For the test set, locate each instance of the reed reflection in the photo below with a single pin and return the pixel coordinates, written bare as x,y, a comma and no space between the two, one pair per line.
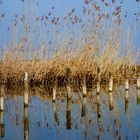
2,123
138,96
98,137
110,101
84,102
26,123
99,115
126,100
68,113
86,123
56,119
117,128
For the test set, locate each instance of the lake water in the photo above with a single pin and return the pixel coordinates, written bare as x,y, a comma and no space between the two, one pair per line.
113,115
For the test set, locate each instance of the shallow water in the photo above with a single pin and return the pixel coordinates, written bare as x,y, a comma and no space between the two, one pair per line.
106,116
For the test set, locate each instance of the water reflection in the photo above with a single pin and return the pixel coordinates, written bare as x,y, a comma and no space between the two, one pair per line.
98,116
68,113
110,101
56,119
84,102
138,96
126,100
2,124
26,123
99,113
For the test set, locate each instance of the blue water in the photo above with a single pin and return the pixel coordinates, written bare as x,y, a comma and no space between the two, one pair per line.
92,117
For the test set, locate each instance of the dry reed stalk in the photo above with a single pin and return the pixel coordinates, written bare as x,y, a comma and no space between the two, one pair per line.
92,49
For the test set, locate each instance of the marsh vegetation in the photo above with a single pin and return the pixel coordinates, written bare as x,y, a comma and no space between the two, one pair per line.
47,46
71,74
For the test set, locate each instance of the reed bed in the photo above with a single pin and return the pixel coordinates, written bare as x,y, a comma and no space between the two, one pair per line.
85,61
79,61
98,45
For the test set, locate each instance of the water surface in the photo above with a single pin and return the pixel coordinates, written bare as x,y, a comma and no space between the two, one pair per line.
106,116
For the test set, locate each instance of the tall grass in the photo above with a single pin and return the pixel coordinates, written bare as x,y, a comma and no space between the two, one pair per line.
99,44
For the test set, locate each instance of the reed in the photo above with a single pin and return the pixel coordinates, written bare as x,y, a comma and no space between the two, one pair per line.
98,46
12,70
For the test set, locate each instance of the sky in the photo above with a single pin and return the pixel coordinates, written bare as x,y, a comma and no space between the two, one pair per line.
34,10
